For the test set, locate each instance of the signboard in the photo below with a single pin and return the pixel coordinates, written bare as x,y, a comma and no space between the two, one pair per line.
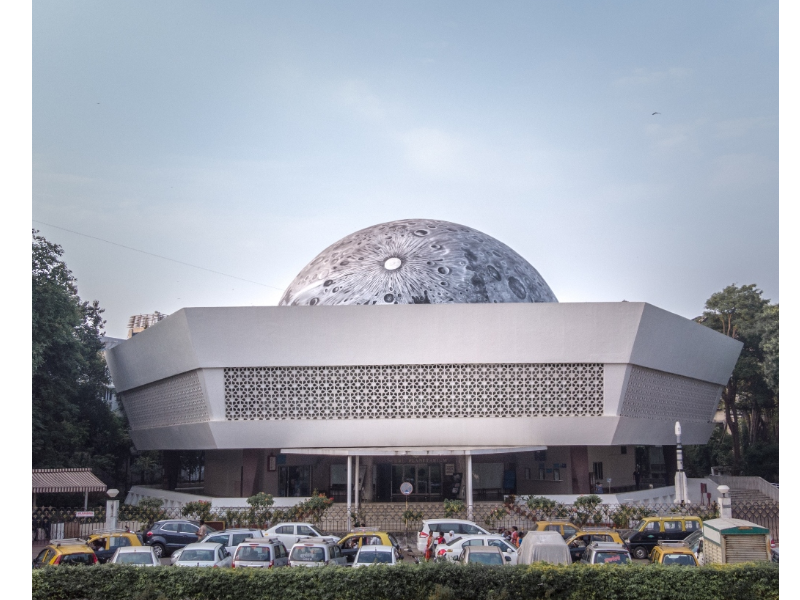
449,469
406,488
84,513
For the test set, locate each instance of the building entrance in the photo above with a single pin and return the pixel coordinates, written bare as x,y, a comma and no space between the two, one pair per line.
426,479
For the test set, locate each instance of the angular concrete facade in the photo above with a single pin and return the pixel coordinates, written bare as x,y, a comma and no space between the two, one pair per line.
486,375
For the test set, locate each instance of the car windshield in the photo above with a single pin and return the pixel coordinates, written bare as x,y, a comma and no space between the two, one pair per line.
308,554
685,560
373,556
254,553
77,559
486,558
611,557
197,555
135,558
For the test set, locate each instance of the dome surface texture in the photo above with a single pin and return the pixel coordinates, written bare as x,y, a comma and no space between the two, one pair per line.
417,261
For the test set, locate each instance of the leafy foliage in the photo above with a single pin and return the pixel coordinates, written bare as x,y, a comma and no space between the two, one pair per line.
73,426
260,513
453,507
410,582
200,510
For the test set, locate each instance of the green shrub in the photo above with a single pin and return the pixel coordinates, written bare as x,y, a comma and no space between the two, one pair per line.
410,582
200,510
453,508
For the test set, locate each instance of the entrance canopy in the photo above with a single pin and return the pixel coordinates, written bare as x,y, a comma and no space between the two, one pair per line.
414,451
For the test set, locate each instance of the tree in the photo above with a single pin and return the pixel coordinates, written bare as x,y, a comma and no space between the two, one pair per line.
73,426
751,392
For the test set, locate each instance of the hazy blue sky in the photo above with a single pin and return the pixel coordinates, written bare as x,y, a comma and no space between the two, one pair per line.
245,137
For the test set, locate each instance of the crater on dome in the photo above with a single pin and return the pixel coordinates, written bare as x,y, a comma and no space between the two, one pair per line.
417,261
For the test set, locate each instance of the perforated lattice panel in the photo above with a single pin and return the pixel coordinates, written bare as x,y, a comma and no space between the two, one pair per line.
655,395
414,391
174,401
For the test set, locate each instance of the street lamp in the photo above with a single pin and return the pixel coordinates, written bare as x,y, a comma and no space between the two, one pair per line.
112,509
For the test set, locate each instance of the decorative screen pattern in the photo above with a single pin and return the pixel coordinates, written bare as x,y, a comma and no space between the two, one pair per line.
176,400
656,395
414,391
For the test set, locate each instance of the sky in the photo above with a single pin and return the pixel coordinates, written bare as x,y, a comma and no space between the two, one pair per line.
246,137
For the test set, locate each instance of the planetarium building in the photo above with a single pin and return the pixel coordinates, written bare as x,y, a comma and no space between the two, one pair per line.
425,352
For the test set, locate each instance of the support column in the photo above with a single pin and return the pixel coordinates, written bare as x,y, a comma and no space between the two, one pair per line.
349,490
249,471
579,464
358,480
85,500
469,486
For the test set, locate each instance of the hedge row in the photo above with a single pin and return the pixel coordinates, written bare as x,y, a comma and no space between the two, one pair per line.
410,582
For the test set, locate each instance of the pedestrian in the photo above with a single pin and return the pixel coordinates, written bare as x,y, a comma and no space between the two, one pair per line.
429,547
449,536
515,536
203,531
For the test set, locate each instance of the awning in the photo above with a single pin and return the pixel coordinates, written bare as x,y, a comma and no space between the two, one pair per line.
49,481
414,451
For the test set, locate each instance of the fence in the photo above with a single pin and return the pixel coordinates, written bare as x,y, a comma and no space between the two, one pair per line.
761,513
63,522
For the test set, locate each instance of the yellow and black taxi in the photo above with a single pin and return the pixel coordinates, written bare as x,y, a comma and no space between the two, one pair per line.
105,542
362,536
565,528
651,530
673,553
71,551
584,538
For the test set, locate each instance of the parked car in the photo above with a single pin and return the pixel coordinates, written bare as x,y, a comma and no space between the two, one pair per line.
171,534
260,552
230,538
543,546
459,527
453,549
138,556
291,533
650,530
673,553
606,553
565,528
374,555
68,551
203,554
482,555
350,543
316,552
579,542
105,543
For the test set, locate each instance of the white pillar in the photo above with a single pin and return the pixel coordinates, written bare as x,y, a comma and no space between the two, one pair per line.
86,500
358,478
349,490
469,487
112,510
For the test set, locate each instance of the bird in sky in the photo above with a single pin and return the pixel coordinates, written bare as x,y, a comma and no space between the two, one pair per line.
655,113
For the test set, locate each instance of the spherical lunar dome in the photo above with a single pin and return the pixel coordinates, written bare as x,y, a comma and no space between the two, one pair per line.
417,261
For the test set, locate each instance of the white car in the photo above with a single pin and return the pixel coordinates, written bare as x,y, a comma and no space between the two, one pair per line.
291,533
230,538
316,552
138,556
376,555
260,552
459,527
452,550
203,554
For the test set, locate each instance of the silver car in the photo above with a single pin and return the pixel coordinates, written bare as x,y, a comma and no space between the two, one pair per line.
291,533
316,552
452,550
376,555
138,556
203,554
260,552
231,538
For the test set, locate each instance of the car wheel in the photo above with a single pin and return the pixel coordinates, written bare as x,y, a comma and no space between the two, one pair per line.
640,552
158,550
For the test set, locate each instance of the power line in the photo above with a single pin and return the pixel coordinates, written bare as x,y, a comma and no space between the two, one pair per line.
180,262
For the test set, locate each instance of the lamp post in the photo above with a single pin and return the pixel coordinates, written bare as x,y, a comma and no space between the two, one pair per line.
681,484
112,509
724,502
